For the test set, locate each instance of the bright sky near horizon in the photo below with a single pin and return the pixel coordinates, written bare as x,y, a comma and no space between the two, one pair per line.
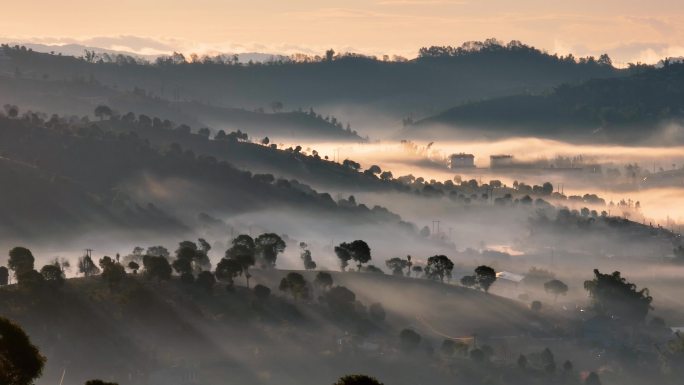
629,30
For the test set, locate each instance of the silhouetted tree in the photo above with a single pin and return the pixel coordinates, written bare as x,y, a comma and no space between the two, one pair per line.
567,366
186,254
548,361
323,280
206,281
305,255
158,251
357,251
4,276
295,284
201,261
438,267
52,275
20,361
469,281
357,379
556,288
134,266
103,111
227,270
612,295
268,246
243,252
485,277
397,265
112,271
87,267
261,292
20,261
157,267
340,300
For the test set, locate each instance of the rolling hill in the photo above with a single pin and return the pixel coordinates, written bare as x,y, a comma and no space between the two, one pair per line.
439,78
148,332
630,109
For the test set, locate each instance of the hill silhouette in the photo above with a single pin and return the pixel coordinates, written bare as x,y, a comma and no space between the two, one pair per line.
59,168
619,110
81,96
439,78
144,331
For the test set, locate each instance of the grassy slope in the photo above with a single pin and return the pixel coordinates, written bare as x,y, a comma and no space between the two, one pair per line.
229,338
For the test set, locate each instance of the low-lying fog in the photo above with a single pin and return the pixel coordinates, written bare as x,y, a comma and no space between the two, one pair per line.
661,205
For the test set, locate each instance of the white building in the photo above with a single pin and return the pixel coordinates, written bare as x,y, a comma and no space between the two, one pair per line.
461,160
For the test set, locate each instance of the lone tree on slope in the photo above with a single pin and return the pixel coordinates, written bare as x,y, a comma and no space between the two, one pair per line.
20,361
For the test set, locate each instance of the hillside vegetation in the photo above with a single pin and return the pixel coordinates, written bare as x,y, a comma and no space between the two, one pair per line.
618,110
439,78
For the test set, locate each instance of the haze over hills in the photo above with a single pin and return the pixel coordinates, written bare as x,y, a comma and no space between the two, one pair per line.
100,179
150,332
78,50
647,106
81,96
186,212
439,78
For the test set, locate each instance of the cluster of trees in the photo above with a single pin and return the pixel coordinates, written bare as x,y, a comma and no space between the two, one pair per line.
21,263
72,150
612,295
357,251
493,46
483,279
624,108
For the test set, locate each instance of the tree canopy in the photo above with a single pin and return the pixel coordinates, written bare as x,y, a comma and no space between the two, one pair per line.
20,360
614,296
438,267
358,251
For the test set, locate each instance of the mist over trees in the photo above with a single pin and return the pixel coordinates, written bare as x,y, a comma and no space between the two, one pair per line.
213,173
448,76
626,109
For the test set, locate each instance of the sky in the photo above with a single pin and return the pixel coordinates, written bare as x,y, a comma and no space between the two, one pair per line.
629,30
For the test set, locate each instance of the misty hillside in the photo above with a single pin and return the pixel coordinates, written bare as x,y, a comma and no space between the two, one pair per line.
144,331
623,110
245,152
74,49
80,96
32,198
439,78
65,162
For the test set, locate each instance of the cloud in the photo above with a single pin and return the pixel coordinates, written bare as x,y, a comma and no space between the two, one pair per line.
133,43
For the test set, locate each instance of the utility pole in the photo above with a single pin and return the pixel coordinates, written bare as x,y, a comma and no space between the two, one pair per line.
433,226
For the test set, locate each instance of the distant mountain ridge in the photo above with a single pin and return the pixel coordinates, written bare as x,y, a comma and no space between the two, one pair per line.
438,79
623,109
78,50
